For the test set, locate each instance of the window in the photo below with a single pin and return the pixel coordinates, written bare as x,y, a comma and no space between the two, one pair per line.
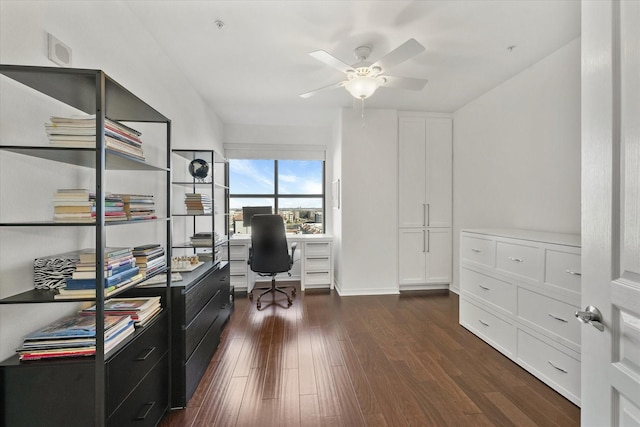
293,188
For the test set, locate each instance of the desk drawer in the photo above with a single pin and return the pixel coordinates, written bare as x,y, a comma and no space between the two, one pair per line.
239,267
563,269
317,263
495,331
552,366
239,252
553,316
198,327
480,251
491,290
239,280
317,249
199,295
519,259
317,278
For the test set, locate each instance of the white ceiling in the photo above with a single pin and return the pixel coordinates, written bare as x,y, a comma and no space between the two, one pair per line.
253,69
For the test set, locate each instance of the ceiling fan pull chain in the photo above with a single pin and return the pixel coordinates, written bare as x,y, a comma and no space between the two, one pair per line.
362,111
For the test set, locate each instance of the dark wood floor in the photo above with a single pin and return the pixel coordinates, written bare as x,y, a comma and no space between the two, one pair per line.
364,361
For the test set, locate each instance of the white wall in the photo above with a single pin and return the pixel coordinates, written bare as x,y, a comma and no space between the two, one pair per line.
369,213
517,152
101,36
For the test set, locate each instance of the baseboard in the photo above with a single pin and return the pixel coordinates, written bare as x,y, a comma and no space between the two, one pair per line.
423,287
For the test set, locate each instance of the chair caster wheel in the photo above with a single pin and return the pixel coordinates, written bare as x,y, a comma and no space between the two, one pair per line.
258,305
290,303
250,296
293,292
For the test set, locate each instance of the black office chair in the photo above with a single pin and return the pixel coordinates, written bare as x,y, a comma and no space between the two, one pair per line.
269,253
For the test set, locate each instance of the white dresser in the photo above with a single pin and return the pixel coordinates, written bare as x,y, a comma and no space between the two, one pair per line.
519,291
313,264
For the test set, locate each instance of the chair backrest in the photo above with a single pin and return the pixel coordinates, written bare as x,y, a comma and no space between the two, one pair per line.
269,249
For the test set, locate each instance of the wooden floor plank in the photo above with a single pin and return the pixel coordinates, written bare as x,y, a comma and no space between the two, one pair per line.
390,360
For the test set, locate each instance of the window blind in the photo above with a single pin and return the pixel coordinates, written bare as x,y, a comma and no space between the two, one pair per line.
275,151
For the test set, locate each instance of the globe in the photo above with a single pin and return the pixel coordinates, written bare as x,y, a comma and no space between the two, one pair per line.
198,168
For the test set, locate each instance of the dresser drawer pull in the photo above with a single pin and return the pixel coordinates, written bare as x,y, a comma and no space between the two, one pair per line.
312,257
564,371
317,272
514,259
475,250
558,318
146,355
144,411
484,287
483,323
573,273
223,278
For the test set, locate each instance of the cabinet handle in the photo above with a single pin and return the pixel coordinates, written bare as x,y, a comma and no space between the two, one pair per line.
316,257
428,241
483,323
223,278
573,273
475,250
514,259
146,355
485,288
144,411
558,318
564,371
428,214
424,214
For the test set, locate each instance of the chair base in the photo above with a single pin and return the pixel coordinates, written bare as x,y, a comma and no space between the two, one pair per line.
273,289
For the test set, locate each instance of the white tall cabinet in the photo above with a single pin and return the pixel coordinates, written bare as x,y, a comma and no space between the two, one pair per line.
424,200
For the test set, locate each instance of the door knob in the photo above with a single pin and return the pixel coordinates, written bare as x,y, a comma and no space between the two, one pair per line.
592,316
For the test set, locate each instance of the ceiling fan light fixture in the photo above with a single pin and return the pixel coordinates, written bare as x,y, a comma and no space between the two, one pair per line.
362,87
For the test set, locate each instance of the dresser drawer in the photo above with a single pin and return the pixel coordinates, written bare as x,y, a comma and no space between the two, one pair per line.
563,269
204,319
553,316
478,250
519,259
197,296
491,290
148,402
129,366
552,366
317,248
317,278
317,263
495,331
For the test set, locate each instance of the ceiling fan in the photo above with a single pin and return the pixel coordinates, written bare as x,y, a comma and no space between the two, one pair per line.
363,78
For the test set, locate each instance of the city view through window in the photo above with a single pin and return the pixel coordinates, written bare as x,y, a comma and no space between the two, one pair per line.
293,188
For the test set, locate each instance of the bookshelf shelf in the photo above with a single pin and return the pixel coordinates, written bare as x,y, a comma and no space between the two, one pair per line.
82,391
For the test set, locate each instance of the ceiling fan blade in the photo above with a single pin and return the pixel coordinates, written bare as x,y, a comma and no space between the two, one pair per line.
331,61
407,50
331,86
408,83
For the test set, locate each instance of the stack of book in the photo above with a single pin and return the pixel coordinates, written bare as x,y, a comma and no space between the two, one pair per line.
202,239
74,335
138,206
120,270
198,204
141,309
79,205
150,259
80,131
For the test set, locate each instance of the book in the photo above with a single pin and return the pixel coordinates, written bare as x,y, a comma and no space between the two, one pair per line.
108,271
89,255
127,305
83,294
109,281
73,326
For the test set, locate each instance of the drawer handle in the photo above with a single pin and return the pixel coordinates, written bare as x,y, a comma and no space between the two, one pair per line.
514,259
223,278
144,411
310,257
317,272
146,355
484,287
475,250
483,323
564,371
573,273
558,318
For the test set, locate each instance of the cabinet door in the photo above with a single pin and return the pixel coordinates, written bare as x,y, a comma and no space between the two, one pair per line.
438,255
439,172
412,179
412,262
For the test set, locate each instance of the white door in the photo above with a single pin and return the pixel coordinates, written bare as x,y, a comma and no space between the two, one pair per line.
412,256
439,255
412,179
439,169
611,211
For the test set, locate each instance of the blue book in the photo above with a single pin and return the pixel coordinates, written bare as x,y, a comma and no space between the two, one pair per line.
73,326
113,280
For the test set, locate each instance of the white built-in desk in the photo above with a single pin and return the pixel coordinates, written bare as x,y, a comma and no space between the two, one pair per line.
313,263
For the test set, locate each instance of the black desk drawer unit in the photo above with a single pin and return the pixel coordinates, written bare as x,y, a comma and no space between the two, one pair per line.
61,392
